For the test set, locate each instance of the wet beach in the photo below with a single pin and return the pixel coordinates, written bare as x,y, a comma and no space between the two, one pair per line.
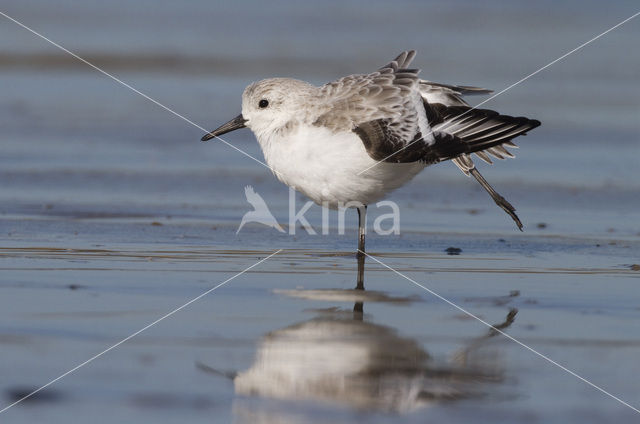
113,214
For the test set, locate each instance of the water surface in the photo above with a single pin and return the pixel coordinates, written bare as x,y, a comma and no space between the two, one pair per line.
112,214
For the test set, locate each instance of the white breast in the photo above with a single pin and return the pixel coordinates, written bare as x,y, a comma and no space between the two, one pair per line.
326,166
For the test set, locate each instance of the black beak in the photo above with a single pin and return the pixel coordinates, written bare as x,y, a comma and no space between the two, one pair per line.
235,124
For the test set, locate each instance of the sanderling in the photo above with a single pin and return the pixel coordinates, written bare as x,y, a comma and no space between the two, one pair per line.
353,140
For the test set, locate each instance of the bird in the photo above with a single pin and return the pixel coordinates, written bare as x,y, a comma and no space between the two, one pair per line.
260,212
355,139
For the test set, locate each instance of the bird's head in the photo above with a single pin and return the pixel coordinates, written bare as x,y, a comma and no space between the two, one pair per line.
269,106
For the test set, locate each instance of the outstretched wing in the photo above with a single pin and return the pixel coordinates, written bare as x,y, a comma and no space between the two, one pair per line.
452,95
389,97
457,130
400,118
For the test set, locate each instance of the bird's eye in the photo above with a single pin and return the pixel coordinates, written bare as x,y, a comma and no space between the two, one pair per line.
263,103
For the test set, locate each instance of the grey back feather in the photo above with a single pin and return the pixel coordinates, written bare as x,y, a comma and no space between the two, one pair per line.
386,110
389,96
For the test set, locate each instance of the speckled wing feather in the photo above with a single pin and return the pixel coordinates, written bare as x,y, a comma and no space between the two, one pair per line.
401,119
448,95
384,107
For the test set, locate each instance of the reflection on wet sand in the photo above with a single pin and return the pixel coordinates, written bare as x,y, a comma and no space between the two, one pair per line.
340,358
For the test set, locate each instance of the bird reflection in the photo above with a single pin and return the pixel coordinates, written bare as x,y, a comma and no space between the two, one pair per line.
333,359
341,358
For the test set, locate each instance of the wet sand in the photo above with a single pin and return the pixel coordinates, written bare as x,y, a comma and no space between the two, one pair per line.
113,214
68,304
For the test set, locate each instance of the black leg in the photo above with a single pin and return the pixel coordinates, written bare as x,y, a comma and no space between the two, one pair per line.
500,201
362,213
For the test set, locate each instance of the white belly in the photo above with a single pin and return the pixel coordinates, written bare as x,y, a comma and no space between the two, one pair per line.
327,167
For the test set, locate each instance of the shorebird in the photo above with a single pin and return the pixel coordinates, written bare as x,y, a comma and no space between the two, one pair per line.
353,140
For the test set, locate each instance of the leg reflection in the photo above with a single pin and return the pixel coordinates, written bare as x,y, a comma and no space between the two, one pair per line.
360,255
461,358
358,311
360,280
358,307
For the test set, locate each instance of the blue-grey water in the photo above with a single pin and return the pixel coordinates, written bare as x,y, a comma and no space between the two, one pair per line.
112,214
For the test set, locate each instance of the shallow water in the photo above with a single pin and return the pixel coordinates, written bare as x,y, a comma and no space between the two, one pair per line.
112,214
296,310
